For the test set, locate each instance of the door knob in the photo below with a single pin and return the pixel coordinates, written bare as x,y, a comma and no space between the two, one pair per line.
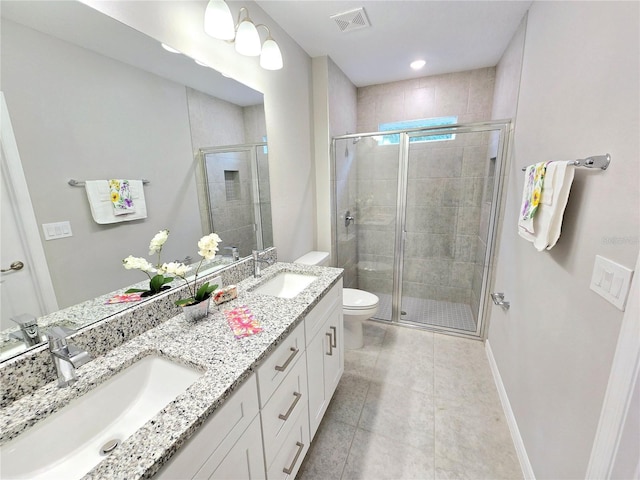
17,265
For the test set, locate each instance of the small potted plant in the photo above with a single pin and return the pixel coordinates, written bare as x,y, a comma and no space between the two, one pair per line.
196,305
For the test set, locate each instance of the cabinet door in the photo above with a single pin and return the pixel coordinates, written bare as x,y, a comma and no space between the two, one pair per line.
316,351
244,461
325,364
334,358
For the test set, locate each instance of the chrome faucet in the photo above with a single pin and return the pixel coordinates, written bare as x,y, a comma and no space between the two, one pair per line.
29,331
66,358
235,254
257,261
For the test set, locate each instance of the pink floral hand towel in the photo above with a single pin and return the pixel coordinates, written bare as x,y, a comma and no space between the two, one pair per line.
242,321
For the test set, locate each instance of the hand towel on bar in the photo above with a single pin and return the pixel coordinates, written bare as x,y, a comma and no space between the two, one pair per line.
531,195
548,219
99,198
121,197
563,178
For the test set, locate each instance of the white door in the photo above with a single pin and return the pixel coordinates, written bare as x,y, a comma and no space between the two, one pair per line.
28,290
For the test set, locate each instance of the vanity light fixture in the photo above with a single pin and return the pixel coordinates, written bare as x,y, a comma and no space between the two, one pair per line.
247,40
218,23
417,64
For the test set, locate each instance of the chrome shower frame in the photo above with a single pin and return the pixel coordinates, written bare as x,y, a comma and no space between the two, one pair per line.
504,128
251,149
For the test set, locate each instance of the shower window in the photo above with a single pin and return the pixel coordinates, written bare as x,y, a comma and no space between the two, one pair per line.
394,138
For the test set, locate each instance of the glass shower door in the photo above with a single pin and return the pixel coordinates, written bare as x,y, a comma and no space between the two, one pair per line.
448,205
366,176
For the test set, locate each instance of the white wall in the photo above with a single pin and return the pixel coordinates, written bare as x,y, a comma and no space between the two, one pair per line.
579,96
77,114
288,102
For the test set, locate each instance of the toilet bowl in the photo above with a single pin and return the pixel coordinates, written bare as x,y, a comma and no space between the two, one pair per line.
357,305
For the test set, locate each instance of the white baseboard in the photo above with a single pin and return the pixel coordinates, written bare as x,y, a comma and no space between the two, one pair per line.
525,465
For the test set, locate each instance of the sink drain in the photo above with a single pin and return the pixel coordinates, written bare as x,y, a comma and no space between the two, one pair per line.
109,447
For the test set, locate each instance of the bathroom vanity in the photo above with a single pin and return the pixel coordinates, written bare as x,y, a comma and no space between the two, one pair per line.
254,407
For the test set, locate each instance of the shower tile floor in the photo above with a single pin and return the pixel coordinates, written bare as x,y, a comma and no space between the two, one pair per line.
413,405
429,312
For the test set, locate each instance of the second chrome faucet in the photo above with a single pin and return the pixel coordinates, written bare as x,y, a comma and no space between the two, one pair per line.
257,260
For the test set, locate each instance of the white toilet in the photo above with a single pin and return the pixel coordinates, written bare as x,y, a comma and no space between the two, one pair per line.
357,305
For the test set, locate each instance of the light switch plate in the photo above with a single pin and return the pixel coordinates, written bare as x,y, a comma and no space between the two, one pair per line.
53,231
611,281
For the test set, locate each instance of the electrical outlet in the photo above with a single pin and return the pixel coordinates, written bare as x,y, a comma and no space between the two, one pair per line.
611,281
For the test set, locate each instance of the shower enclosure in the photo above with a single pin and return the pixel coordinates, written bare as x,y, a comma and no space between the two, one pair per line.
414,215
237,198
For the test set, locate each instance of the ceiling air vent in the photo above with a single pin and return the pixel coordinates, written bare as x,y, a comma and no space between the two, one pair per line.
351,20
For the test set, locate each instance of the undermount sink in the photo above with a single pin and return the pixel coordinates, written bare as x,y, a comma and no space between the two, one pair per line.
285,284
70,442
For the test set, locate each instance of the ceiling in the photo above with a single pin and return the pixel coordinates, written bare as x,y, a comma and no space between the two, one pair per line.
451,36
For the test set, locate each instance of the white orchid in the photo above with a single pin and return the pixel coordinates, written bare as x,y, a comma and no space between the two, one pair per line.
138,263
175,268
158,241
208,246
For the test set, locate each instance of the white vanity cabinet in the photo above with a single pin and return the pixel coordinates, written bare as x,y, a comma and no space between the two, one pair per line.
325,354
228,446
264,429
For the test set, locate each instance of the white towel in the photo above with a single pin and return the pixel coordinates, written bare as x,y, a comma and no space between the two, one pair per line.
547,222
99,196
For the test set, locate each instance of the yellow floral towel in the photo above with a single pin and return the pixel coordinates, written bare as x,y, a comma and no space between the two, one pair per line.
121,197
533,184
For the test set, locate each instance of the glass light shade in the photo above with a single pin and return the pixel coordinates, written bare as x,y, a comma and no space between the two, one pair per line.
218,22
247,39
271,57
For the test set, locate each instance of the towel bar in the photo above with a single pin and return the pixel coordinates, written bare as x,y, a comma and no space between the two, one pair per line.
80,183
598,161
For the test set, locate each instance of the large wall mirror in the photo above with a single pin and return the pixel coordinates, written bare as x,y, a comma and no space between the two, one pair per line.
89,99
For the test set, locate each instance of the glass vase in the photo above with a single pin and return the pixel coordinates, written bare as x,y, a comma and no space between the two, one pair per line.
196,311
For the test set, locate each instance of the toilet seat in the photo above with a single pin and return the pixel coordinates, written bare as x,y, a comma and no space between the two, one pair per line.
353,299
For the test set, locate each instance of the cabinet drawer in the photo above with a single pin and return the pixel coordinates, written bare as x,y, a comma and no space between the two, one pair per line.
287,462
283,409
211,443
315,318
279,363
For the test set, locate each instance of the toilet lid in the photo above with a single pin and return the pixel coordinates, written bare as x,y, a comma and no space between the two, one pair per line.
358,299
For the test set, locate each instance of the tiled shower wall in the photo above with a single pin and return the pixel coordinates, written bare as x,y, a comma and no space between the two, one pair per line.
446,188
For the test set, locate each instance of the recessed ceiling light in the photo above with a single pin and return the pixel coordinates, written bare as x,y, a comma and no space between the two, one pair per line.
417,64
170,49
202,64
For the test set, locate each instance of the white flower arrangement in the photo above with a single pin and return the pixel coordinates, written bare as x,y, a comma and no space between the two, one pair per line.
208,247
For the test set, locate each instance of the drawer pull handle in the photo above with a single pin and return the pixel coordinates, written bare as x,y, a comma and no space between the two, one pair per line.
334,340
295,459
330,352
285,417
282,368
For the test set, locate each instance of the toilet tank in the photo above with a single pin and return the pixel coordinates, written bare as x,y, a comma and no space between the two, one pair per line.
314,258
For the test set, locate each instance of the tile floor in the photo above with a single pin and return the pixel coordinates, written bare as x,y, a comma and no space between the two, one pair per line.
429,312
413,405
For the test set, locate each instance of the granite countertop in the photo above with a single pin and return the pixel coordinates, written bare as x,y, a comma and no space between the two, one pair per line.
208,345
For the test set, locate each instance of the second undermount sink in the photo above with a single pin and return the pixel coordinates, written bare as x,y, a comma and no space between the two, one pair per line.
286,284
70,442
